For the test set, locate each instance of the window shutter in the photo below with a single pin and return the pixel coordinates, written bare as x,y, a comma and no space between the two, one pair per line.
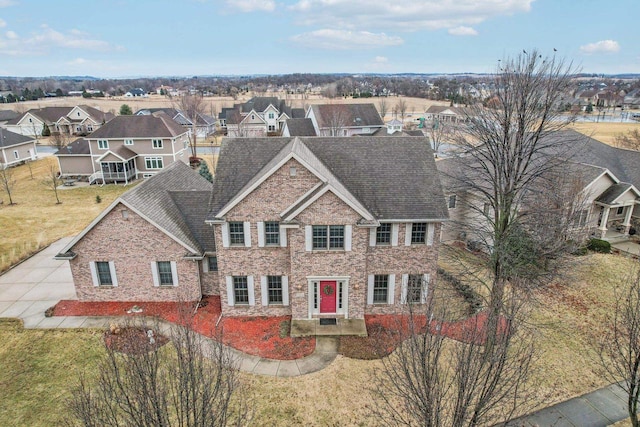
174,273
260,227
94,273
425,288
252,291
283,237
391,296
407,234
205,264
405,284
430,231
370,282
264,291
285,290
347,237
394,234
308,237
230,296
112,271
154,273
372,236
225,234
247,234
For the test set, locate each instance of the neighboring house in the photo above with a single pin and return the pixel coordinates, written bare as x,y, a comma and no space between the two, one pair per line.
606,180
298,127
345,119
443,114
6,115
78,120
307,227
632,99
126,148
205,125
260,116
16,148
395,128
137,92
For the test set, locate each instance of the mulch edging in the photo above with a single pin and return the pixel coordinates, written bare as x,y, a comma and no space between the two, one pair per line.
257,336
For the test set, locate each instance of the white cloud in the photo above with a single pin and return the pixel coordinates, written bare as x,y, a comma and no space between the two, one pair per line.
345,40
252,5
46,39
603,46
7,3
463,31
78,61
404,15
380,60
3,23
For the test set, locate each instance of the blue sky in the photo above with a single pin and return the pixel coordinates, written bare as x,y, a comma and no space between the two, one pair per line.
123,38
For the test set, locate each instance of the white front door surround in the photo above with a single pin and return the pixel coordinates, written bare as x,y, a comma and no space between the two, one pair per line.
314,295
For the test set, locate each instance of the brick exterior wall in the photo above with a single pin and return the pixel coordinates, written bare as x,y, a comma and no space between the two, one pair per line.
132,244
274,196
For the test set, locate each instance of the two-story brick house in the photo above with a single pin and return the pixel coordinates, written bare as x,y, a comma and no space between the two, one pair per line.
126,148
307,227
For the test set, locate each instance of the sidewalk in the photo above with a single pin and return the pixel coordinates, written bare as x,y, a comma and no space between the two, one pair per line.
38,283
599,408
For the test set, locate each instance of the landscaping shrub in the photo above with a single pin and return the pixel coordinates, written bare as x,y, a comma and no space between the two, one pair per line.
470,296
599,245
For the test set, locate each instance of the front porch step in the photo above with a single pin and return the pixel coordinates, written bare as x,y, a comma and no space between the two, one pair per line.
343,327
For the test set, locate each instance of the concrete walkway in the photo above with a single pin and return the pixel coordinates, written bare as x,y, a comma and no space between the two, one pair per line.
599,408
38,283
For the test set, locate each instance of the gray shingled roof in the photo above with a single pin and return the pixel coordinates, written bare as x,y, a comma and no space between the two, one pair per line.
6,115
97,115
260,103
301,127
8,139
393,178
355,114
613,192
47,114
159,125
161,199
78,147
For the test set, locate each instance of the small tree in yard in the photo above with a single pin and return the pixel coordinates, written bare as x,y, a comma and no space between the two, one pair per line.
629,140
53,180
204,171
620,346
192,106
125,110
186,383
7,181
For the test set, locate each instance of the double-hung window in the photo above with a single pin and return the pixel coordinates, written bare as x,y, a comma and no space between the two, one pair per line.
380,289
165,274
103,144
328,237
414,288
212,263
157,143
418,232
272,233
236,233
240,290
383,234
274,289
104,273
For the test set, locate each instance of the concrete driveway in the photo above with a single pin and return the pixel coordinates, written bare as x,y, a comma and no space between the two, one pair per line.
38,283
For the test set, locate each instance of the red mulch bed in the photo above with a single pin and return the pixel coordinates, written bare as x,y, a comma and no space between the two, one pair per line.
259,336
387,331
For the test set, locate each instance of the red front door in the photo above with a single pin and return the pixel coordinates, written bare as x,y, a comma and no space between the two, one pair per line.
328,294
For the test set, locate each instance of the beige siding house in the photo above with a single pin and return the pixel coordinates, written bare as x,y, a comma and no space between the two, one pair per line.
16,149
126,148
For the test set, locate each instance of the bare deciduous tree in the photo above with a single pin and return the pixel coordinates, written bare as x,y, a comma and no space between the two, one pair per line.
336,117
53,180
192,106
439,133
401,108
432,380
630,140
383,107
7,181
60,139
191,383
620,347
